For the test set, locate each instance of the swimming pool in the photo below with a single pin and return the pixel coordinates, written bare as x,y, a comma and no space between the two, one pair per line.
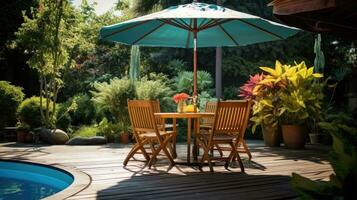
21,180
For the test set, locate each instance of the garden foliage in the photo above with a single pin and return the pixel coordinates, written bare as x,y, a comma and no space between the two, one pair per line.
10,98
343,159
29,112
112,98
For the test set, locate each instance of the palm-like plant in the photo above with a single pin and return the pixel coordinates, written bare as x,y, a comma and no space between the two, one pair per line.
184,81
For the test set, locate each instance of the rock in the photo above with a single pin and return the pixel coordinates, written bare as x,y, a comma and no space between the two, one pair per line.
55,136
58,137
45,135
87,141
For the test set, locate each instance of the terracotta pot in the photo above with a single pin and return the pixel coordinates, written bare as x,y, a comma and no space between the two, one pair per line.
21,135
271,135
124,138
29,137
294,136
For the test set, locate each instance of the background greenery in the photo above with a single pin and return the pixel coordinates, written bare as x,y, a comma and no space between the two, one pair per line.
91,66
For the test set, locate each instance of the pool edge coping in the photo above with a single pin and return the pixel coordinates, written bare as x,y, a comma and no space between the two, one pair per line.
81,180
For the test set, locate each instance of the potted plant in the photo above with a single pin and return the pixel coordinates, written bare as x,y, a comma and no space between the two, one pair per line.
265,105
124,135
266,115
22,131
299,103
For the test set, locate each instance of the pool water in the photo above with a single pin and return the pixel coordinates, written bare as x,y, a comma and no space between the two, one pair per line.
20,180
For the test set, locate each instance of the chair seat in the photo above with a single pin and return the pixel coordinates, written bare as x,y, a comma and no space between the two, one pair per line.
153,134
206,126
224,137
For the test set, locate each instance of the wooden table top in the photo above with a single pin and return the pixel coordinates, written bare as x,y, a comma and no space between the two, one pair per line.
184,115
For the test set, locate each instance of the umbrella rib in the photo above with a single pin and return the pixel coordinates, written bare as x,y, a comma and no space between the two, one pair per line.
209,23
203,21
184,23
188,35
229,35
124,29
174,24
148,33
262,29
216,23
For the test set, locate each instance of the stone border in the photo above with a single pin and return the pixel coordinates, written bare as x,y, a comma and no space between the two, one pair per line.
81,180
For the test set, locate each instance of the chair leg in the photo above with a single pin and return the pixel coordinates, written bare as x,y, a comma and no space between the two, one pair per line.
219,150
131,154
240,161
166,152
162,146
235,154
174,154
247,150
231,155
153,157
204,157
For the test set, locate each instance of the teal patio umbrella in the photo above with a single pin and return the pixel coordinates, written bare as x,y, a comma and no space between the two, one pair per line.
196,25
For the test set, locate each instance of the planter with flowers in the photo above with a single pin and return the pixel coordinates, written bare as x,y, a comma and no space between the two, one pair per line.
180,100
300,103
265,107
286,95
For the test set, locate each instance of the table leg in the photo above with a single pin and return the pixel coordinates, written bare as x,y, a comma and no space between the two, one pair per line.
195,149
189,120
174,138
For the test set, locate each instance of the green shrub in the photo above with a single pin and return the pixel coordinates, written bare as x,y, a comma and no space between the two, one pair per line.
85,112
78,110
109,129
155,88
29,112
10,98
86,131
112,97
63,119
184,81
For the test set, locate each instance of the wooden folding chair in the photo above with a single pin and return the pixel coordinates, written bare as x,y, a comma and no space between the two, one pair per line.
162,126
230,121
242,145
207,122
145,130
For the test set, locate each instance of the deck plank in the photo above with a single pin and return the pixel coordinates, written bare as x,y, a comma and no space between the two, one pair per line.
267,176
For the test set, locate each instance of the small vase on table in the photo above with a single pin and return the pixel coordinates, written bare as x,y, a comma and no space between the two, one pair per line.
181,106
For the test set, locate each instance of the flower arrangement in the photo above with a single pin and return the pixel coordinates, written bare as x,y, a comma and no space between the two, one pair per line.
180,99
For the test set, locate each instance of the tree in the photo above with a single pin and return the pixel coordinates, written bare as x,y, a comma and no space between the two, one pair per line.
45,36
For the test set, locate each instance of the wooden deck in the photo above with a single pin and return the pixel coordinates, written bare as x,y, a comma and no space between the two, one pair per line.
267,175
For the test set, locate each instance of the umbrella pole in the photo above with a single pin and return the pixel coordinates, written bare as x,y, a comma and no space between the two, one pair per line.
195,64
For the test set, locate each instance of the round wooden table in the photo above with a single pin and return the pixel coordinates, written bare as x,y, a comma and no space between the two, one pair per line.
189,117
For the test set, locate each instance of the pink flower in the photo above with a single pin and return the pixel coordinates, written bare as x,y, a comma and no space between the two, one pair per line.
180,96
246,91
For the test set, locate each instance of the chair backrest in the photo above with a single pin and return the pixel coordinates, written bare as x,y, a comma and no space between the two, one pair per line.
156,108
232,117
141,115
211,106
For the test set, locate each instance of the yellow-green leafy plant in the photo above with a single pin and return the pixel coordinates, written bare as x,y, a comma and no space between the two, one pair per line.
286,93
266,108
303,97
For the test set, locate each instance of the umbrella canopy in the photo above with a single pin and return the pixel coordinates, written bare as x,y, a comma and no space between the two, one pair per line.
196,25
